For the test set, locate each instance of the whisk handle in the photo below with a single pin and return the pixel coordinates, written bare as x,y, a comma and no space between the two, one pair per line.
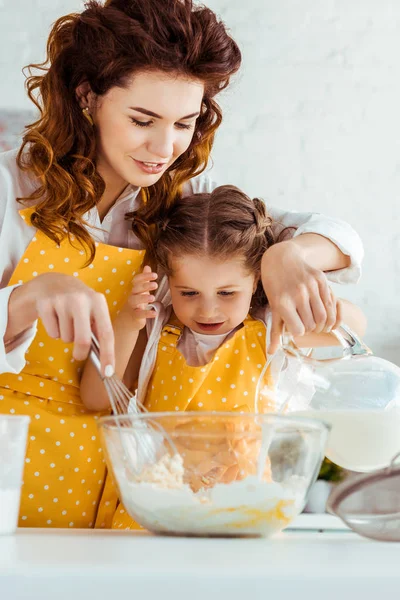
95,355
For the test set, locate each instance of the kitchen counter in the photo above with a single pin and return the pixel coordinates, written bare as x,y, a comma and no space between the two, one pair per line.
84,564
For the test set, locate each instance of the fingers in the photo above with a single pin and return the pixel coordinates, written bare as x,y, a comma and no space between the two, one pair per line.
65,321
276,333
312,310
319,313
141,296
140,300
305,314
143,287
105,334
69,310
291,318
145,314
339,314
309,312
81,331
329,301
49,318
145,281
321,305
298,293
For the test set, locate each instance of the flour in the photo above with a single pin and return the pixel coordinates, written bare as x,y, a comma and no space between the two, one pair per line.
163,503
9,508
166,473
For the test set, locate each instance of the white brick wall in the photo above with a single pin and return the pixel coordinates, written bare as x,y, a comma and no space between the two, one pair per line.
24,27
310,124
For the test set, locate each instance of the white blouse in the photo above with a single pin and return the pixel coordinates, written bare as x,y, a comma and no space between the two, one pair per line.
16,234
198,349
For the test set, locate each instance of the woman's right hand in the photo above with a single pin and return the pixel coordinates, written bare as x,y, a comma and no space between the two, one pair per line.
69,309
144,285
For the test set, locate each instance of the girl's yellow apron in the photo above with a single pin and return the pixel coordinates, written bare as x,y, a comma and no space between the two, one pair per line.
65,470
227,383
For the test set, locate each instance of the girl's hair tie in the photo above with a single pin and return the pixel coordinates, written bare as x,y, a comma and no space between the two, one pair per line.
137,221
262,220
164,224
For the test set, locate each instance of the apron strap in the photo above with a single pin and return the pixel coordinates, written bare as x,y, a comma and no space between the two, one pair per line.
170,335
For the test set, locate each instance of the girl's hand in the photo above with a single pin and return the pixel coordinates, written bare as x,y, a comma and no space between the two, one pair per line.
298,294
141,295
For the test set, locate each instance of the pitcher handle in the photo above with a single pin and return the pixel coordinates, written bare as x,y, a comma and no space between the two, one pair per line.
357,346
352,345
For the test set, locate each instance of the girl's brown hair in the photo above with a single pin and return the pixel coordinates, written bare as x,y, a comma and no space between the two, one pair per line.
224,224
105,45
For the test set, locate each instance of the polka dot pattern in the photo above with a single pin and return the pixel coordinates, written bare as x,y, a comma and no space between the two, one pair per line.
65,471
226,383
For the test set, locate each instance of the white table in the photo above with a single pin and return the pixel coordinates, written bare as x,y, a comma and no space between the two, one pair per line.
109,565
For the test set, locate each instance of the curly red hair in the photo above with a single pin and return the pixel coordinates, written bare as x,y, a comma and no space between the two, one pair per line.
105,45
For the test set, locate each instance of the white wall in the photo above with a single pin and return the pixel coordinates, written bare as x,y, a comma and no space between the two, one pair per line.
311,123
24,27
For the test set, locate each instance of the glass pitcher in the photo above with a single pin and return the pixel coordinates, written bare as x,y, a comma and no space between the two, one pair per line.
357,393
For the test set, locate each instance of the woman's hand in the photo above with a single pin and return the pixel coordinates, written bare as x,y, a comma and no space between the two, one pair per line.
141,295
68,308
299,295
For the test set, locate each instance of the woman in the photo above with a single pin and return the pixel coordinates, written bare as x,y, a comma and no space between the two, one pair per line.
127,121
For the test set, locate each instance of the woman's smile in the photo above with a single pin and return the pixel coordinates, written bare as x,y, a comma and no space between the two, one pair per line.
152,168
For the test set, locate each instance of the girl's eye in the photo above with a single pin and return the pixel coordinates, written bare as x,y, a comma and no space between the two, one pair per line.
223,293
140,123
188,294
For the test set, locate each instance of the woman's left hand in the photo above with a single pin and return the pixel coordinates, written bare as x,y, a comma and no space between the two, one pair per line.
298,294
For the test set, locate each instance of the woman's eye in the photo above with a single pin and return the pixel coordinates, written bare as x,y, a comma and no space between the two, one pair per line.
183,126
223,293
188,294
140,123
148,123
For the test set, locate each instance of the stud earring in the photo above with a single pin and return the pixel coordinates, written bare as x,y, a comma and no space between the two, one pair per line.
87,115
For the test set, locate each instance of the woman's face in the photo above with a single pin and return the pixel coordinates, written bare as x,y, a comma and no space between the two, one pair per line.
143,128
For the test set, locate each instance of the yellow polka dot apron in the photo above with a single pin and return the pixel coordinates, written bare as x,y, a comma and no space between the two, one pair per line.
227,383
65,471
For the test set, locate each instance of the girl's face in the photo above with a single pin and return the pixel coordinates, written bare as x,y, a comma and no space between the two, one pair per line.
209,296
143,128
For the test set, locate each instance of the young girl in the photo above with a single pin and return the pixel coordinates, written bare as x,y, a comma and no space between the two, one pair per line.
207,349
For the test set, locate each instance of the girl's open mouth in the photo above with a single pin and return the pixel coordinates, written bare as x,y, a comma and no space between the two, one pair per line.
209,326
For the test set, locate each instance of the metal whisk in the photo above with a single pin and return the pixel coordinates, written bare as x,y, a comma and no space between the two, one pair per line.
140,442
121,398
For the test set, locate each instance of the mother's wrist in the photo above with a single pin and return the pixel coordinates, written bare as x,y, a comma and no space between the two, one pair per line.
284,249
319,252
22,310
304,248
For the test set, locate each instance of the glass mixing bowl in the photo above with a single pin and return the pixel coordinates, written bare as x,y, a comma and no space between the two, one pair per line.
213,474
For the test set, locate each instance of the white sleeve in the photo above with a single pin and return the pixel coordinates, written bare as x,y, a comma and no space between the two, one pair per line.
12,354
15,235
337,231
